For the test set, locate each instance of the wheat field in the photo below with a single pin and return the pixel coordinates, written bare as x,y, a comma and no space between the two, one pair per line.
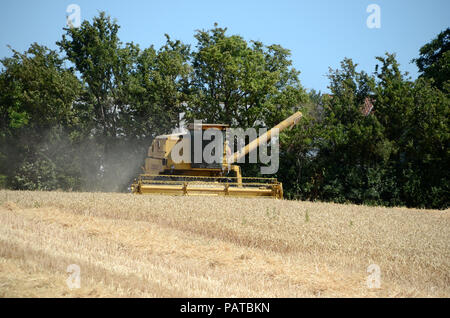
165,246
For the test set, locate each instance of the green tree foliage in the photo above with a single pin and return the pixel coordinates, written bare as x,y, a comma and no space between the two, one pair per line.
158,90
36,99
434,60
133,95
397,154
416,120
241,83
37,92
95,51
345,145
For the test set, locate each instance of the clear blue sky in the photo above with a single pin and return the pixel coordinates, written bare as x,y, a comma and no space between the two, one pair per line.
319,33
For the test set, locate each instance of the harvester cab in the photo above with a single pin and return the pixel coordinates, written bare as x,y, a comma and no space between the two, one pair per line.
160,158
165,173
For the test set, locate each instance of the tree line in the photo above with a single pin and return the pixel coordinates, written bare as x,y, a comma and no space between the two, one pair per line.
81,117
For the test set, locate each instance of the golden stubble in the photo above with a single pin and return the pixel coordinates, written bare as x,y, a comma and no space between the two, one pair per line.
174,246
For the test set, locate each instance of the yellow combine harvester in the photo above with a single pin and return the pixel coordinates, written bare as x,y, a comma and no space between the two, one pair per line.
165,175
